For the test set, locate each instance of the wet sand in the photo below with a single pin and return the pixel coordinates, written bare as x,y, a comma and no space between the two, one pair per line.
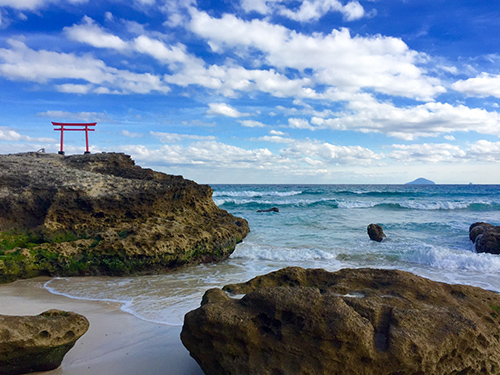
116,343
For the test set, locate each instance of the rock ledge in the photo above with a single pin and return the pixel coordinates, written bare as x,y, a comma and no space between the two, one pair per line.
100,214
354,321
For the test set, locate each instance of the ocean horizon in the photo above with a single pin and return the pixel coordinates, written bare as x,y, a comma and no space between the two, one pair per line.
320,226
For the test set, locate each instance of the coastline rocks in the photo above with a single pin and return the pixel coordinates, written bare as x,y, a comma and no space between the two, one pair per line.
38,343
350,322
486,237
100,214
375,232
273,209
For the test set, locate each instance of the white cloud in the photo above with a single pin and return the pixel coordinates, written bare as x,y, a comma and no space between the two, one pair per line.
427,153
175,137
209,154
479,152
8,134
329,154
384,64
129,134
91,33
309,9
80,116
22,63
252,123
276,132
176,11
224,109
162,52
72,88
485,151
275,139
482,86
299,123
315,9
365,114
35,4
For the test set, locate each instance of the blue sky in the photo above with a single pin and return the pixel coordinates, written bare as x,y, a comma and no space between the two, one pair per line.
260,91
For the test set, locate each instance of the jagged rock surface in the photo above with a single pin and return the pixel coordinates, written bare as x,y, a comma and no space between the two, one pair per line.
351,322
38,343
486,237
101,214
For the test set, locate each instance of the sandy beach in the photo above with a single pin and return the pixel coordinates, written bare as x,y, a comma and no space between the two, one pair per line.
116,343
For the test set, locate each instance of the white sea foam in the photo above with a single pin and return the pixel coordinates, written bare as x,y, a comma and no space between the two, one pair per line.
251,193
437,205
276,253
448,259
427,235
357,204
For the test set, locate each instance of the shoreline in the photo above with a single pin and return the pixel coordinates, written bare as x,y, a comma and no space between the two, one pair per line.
117,343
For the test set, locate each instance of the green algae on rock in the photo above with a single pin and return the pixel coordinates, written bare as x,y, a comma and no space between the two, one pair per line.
102,215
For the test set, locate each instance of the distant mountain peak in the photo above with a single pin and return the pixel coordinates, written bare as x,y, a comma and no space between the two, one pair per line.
421,181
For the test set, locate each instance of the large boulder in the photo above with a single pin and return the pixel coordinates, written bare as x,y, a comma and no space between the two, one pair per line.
486,237
375,232
102,214
38,343
350,322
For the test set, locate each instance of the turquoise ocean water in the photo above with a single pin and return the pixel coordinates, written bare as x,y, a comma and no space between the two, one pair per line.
321,226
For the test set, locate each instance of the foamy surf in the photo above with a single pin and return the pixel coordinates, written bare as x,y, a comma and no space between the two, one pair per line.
320,226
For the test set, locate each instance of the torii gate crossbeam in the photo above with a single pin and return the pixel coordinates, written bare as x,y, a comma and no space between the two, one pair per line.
64,126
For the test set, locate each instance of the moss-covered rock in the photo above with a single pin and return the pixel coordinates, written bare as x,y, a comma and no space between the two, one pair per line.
102,215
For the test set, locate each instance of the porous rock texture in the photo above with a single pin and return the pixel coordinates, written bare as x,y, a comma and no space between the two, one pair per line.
38,343
350,322
101,214
486,237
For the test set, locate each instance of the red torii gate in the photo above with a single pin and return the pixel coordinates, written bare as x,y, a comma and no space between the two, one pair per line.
81,127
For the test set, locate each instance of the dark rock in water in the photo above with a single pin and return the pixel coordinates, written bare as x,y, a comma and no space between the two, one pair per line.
274,209
375,232
354,321
486,237
103,215
421,181
38,343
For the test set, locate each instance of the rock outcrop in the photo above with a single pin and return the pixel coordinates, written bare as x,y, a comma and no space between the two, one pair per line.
272,209
486,237
101,214
350,322
375,232
38,343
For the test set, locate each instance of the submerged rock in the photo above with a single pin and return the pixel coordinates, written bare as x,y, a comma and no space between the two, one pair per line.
486,237
350,322
273,209
101,214
38,343
375,232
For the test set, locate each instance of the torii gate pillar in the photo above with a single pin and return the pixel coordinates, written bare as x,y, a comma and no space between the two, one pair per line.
74,127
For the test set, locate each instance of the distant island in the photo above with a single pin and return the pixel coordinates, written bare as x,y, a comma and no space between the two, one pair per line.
421,181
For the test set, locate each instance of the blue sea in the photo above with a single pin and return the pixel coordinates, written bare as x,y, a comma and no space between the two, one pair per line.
321,226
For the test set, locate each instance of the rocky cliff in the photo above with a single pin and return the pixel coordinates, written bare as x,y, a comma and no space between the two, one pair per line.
101,214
